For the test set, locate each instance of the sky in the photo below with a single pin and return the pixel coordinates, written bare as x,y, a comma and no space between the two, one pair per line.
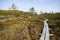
39,5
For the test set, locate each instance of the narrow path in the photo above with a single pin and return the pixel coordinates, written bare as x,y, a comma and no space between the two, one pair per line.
45,32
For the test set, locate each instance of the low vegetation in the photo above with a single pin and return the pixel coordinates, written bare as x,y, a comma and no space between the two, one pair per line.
20,25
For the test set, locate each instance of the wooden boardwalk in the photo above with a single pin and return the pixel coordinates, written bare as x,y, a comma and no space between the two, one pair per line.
45,32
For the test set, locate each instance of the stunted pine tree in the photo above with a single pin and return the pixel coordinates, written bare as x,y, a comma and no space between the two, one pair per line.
13,7
14,10
32,10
